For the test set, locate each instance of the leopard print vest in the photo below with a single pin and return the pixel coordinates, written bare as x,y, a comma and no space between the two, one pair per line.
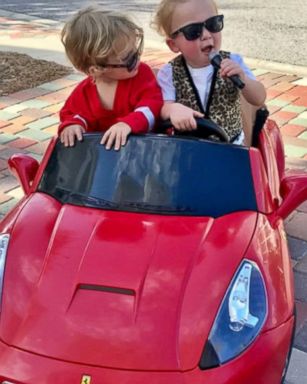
223,106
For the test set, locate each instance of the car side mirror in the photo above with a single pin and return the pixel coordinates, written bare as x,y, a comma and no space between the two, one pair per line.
24,168
293,190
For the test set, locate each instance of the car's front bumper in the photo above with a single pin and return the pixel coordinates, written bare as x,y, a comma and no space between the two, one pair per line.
262,363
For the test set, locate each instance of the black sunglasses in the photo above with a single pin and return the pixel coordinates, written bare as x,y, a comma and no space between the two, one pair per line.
130,61
194,31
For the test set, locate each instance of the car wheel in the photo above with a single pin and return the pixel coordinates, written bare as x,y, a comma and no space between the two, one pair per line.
283,378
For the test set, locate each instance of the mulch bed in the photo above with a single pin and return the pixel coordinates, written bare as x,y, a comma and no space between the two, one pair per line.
20,71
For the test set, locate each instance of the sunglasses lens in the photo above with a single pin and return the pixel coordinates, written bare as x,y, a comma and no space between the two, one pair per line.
215,24
133,58
193,31
132,61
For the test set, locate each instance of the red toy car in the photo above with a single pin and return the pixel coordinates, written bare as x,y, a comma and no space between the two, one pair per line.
163,263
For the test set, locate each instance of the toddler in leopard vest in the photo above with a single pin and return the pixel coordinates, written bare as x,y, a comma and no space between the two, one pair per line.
191,86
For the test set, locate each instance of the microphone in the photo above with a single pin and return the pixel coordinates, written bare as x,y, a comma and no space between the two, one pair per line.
216,59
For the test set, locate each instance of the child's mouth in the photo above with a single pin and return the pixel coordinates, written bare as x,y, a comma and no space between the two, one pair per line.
207,49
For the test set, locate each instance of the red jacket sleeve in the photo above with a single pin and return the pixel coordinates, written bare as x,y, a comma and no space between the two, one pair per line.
147,99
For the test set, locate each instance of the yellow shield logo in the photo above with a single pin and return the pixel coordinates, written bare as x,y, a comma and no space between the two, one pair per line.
86,379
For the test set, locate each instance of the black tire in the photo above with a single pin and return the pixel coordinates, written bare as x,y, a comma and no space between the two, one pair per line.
284,374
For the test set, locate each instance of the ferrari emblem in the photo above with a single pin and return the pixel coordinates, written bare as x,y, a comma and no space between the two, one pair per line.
86,379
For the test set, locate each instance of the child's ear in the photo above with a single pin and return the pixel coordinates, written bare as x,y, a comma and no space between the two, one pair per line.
172,45
92,70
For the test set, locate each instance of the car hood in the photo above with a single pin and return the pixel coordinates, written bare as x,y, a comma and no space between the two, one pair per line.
117,289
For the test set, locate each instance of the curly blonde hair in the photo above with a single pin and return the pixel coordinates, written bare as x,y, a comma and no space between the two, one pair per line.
94,34
164,15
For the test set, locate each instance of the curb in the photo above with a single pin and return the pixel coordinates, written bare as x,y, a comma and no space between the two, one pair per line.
277,67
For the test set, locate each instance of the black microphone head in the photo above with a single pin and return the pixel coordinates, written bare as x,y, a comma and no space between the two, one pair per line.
215,59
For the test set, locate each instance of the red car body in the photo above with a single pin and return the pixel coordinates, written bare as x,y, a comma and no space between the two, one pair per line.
104,295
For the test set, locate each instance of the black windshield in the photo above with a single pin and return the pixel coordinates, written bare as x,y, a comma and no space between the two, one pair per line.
152,173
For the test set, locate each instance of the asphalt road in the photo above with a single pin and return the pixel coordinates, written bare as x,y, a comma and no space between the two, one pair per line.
274,30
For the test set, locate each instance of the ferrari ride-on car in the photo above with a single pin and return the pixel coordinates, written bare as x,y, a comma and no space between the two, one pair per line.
163,263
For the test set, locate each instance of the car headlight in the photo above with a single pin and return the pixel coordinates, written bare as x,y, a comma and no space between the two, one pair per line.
4,242
240,318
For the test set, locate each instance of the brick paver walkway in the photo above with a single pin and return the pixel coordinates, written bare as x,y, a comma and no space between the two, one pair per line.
28,119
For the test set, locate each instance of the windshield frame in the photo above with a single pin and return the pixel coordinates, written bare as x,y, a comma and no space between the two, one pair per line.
152,174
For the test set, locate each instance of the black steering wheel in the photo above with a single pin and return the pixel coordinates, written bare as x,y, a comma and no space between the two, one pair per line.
205,128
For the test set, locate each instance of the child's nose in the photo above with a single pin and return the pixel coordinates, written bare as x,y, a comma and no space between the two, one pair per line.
205,34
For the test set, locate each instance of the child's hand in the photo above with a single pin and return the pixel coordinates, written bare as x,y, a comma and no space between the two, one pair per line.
230,67
69,133
118,133
183,118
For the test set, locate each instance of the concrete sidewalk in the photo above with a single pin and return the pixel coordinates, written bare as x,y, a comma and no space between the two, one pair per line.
29,118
